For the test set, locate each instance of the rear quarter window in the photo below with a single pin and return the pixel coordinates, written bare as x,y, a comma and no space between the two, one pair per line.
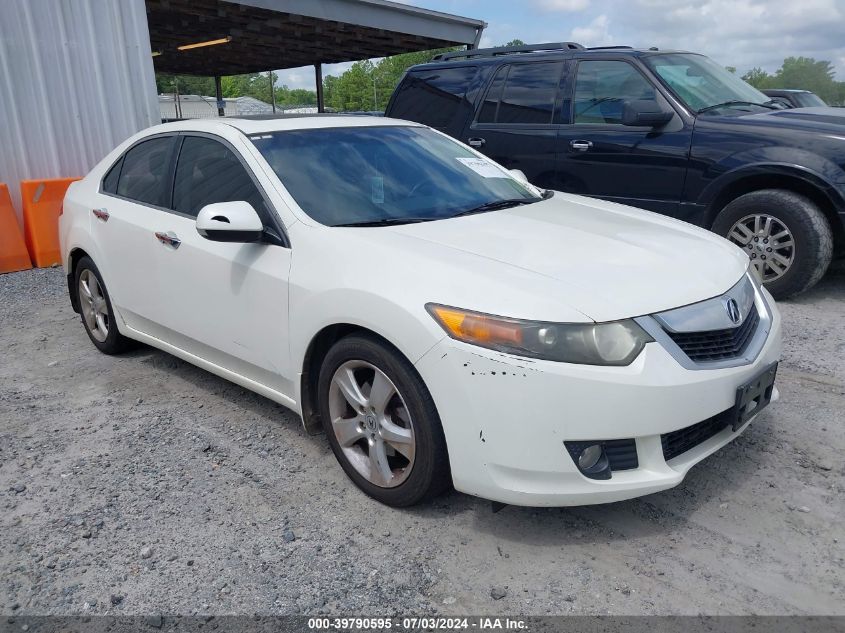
437,98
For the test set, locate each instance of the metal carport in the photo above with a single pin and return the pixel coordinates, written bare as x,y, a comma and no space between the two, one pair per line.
260,35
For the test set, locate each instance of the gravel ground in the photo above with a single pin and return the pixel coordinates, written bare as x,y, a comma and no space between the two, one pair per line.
142,485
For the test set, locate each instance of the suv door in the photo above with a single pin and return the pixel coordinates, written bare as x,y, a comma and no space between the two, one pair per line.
599,156
224,302
133,199
515,124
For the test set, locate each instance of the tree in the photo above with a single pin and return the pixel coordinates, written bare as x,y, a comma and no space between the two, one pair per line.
515,42
808,74
758,78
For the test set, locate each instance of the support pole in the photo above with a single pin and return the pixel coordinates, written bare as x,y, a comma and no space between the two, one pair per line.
218,89
272,91
318,76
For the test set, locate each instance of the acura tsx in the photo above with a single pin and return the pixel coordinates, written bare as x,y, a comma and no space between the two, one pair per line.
444,321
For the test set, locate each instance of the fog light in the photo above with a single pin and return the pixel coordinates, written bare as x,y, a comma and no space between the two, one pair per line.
589,457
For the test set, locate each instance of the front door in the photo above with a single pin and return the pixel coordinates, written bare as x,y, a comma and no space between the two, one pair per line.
224,302
601,157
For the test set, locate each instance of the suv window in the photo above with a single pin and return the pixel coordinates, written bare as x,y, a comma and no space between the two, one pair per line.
208,172
522,93
603,87
145,171
433,97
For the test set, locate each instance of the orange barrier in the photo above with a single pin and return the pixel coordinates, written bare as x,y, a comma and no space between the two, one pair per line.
42,204
13,255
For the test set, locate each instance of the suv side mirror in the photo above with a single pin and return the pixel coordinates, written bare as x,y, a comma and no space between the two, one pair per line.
230,222
645,113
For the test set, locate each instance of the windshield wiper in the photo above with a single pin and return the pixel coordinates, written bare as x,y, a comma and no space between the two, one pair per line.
730,103
387,221
495,205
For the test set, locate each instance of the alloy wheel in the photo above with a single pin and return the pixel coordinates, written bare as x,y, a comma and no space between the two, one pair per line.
371,423
768,242
95,309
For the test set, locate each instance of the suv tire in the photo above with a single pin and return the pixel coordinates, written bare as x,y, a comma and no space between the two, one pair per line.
811,235
422,477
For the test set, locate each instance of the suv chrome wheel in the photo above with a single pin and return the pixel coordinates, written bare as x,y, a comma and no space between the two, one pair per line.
94,307
768,242
371,423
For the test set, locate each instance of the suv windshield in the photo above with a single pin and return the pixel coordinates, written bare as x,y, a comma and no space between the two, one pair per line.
809,100
387,174
702,84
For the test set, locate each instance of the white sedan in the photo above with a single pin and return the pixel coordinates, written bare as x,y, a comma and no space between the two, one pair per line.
445,322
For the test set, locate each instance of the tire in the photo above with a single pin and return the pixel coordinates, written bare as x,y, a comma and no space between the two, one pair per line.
103,332
811,237
411,480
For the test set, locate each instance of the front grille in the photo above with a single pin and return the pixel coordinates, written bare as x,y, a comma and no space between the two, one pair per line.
680,441
718,344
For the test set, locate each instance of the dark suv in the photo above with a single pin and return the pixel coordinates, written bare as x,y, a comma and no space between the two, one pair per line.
668,131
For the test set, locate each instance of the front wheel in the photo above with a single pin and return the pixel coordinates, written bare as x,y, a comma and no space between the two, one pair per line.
785,234
381,422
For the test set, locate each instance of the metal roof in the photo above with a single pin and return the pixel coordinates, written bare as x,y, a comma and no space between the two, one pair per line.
276,34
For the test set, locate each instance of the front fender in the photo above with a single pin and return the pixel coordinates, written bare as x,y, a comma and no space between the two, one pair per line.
815,170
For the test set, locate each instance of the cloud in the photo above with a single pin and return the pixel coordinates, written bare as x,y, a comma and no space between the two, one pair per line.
595,33
565,6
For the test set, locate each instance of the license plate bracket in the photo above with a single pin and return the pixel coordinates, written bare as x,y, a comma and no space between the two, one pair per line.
754,396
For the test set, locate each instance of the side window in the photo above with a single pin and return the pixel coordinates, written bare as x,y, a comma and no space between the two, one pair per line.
603,87
110,179
522,93
209,172
144,175
435,97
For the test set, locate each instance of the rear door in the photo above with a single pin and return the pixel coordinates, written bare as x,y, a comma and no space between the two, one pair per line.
224,302
134,196
516,123
601,157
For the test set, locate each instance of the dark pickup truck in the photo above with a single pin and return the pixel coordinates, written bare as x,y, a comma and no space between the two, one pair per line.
668,131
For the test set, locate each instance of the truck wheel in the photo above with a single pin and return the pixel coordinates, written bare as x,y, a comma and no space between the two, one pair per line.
785,234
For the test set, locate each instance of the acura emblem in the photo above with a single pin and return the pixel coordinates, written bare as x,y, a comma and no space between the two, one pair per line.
733,311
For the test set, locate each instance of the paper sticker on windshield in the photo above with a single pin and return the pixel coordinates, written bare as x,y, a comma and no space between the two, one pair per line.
377,184
482,167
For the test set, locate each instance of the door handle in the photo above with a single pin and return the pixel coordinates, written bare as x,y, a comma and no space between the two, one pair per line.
168,239
580,146
101,214
476,141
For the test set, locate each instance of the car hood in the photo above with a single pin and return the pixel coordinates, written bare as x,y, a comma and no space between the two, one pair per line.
811,119
609,261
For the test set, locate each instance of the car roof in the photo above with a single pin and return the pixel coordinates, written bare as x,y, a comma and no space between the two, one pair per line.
279,122
598,52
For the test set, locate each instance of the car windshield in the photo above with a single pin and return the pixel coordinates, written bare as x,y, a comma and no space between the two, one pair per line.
809,100
387,174
703,84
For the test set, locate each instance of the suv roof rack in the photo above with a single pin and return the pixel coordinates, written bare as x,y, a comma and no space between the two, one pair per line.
509,50
608,48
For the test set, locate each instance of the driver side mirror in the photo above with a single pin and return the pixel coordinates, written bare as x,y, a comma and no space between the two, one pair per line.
230,222
645,113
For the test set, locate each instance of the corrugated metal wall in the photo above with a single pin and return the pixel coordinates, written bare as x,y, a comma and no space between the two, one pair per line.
76,79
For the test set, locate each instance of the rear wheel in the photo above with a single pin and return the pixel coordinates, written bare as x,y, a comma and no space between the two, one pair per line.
381,422
785,234
97,312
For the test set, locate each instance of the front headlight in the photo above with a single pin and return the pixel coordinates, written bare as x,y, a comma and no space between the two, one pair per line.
615,343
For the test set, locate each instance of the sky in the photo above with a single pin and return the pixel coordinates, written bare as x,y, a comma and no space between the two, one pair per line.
740,33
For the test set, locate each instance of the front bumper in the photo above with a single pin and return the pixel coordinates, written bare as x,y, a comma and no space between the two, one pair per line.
506,418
